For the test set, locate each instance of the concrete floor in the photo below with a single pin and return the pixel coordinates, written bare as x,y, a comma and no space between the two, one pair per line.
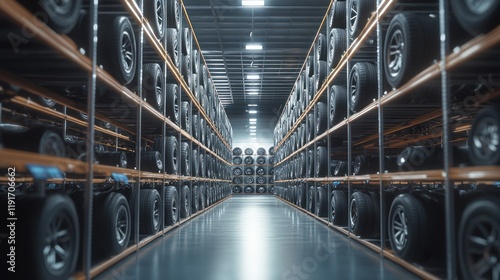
254,238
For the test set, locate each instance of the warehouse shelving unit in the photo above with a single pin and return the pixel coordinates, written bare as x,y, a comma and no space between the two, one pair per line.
129,122
370,137
253,173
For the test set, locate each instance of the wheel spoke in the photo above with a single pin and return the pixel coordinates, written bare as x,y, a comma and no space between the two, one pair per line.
483,266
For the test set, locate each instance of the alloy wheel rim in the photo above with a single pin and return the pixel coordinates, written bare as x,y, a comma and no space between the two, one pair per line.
400,228
127,51
486,140
395,55
58,242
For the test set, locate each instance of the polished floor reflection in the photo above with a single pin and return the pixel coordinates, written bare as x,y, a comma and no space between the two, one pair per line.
254,238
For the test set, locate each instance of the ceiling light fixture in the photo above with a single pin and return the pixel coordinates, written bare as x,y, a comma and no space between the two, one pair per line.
252,2
252,120
253,77
253,47
252,93
253,133
252,112
252,105
253,127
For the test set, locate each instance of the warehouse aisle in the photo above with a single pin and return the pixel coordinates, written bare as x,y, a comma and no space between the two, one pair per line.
254,238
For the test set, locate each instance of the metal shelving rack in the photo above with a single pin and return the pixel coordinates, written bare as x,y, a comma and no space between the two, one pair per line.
372,127
129,131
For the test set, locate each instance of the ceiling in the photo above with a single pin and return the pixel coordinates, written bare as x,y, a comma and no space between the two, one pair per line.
286,30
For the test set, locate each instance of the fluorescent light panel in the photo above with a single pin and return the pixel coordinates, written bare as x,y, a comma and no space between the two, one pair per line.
252,93
252,120
253,77
253,133
252,105
253,47
253,127
252,2
252,112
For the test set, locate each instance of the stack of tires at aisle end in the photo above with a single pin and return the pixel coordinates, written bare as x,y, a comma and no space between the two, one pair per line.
382,140
98,161
253,173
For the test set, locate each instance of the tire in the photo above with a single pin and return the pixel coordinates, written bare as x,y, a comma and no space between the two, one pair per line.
271,160
196,199
172,102
338,104
195,126
61,16
37,140
361,214
249,189
173,46
337,16
340,169
113,224
173,14
186,43
359,12
195,164
202,197
261,180
248,160
118,158
171,206
151,161
237,151
237,189
261,151
484,138
185,202
311,201
478,239
261,160
310,127
476,17
171,155
409,234
153,85
186,72
362,82
321,75
322,161
321,202
311,167
249,170
47,102
411,43
237,180
321,49
321,118
185,159
151,211
364,165
310,66
248,151
49,229
196,63
249,180
237,171
154,11
121,55
301,195
337,46
237,160
185,120
261,189
338,206
261,171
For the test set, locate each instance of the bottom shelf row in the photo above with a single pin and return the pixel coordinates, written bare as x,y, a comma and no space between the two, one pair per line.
415,227
264,189
45,236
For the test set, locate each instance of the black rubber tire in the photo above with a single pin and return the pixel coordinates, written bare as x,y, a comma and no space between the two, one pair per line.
249,170
362,82
237,160
261,171
249,180
337,46
361,214
322,161
338,104
186,43
248,151
321,73
321,118
154,11
311,167
338,207
61,16
476,17
186,72
237,171
185,202
195,126
261,180
41,218
261,151
195,164
271,151
111,212
484,137
359,12
171,155
310,127
118,158
301,195
185,116
310,66
196,199
172,102
248,160
261,189
321,202
364,165
237,151
153,86
237,180
196,62
311,201
47,102
477,247
410,241
171,206
173,14
173,45
120,59
237,189
185,159
321,47
261,160
39,140
337,16
151,211
411,44
202,197
375,196
151,161
249,189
